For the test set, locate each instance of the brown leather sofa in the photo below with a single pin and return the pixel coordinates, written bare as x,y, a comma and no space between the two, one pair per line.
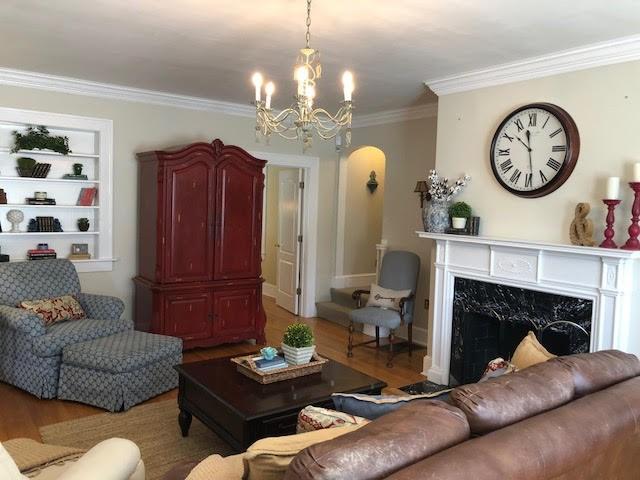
575,417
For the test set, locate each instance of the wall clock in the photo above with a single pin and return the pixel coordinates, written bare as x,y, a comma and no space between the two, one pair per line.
535,150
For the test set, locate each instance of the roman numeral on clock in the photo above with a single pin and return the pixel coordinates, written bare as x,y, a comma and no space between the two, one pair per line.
507,137
545,122
553,134
528,180
543,178
516,176
504,152
519,124
533,118
559,148
554,164
506,166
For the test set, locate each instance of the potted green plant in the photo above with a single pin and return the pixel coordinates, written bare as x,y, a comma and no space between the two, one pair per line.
25,166
460,212
39,138
297,344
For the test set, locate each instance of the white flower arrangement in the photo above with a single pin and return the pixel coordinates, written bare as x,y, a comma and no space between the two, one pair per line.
440,189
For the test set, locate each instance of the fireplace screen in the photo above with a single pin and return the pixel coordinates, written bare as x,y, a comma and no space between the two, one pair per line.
490,320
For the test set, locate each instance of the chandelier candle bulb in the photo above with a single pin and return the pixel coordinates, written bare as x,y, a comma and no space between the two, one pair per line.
636,173
347,85
257,82
613,188
269,88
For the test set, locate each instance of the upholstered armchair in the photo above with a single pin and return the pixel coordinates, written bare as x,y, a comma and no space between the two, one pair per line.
30,352
399,271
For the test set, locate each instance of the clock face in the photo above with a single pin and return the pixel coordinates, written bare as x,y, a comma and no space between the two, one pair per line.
534,150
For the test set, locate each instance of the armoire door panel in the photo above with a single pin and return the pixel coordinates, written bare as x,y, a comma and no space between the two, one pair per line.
190,186
234,310
188,315
238,221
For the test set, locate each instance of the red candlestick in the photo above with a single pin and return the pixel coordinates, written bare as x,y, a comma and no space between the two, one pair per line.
634,230
609,232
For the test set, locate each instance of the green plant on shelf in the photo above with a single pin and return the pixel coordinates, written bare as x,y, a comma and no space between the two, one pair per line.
39,138
298,335
460,210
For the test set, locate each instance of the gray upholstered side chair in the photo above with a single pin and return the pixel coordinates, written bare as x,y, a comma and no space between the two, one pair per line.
30,351
399,271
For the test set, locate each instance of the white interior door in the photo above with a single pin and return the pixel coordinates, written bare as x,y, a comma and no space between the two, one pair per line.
288,261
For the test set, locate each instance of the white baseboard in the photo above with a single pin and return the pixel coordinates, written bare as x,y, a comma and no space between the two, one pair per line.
355,280
269,289
419,335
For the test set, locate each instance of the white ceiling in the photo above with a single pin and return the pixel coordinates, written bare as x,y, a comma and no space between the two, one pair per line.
209,48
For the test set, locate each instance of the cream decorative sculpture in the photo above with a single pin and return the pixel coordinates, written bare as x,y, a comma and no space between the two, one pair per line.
15,217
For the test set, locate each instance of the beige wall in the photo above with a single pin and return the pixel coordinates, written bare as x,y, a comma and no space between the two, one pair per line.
410,149
270,254
605,104
363,210
138,127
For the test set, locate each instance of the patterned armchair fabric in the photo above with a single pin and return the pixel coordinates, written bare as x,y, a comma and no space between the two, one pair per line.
30,353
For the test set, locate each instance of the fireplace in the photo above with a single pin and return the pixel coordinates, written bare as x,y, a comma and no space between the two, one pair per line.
490,320
555,290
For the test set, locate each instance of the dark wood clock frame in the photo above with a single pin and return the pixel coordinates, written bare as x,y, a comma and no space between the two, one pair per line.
571,155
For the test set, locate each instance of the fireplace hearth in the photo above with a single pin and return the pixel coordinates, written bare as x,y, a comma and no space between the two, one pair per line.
490,320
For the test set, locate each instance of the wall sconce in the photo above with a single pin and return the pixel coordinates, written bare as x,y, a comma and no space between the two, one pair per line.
423,190
372,184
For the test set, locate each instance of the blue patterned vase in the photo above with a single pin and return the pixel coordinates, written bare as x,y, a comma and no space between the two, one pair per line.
436,216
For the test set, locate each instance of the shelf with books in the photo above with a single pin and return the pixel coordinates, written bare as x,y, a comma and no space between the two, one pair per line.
77,199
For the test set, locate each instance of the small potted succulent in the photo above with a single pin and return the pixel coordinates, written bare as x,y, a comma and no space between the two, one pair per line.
460,212
297,344
25,166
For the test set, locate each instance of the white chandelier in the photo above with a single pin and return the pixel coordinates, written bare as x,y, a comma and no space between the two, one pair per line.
300,119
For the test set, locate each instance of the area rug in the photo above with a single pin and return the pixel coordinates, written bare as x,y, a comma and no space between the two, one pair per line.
154,428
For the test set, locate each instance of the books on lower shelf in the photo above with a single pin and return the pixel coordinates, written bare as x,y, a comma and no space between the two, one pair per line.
265,365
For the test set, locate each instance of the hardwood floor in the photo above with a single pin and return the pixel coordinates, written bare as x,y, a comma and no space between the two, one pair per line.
21,414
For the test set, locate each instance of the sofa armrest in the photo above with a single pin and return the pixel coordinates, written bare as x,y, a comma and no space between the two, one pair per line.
101,307
113,459
21,320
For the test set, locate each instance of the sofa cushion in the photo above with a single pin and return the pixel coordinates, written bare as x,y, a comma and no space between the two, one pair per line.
595,371
530,352
62,334
380,317
380,448
269,458
374,406
213,467
501,401
315,418
54,310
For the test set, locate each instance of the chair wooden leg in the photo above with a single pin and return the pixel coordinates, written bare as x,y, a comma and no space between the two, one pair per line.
377,337
410,332
390,359
350,345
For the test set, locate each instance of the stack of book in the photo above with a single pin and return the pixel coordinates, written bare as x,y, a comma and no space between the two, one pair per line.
41,201
41,254
269,365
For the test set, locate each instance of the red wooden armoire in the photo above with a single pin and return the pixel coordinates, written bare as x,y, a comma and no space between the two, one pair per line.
200,224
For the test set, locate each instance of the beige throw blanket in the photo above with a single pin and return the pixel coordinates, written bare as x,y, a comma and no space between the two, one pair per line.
32,456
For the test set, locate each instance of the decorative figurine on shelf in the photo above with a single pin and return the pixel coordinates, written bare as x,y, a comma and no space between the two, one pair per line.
83,224
372,184
268,353
77,169
436,216
57,226
77,173
15,217
32,226
3,196
581,229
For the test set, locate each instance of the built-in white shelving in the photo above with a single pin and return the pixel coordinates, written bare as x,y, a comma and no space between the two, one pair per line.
91,143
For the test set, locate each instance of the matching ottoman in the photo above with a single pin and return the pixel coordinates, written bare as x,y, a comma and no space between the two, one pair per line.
120,371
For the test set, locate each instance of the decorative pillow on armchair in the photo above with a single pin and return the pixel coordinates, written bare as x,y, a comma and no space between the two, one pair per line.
386,298
53,310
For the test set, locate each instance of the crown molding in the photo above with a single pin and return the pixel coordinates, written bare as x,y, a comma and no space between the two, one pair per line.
54,83
395,116
595,55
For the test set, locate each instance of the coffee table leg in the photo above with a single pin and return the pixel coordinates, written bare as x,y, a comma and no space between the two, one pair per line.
184,419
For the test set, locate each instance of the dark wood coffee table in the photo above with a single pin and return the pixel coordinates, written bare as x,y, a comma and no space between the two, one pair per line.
241,410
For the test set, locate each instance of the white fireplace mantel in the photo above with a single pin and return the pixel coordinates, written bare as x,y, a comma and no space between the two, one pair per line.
610,278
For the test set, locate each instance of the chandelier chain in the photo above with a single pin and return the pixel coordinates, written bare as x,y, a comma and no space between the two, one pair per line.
308,35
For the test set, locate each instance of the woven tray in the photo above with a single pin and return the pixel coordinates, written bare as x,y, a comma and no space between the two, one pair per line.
247,367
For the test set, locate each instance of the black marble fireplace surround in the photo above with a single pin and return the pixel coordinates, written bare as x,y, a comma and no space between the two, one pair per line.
490,320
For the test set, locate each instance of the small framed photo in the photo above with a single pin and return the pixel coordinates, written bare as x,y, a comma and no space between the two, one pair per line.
79,248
